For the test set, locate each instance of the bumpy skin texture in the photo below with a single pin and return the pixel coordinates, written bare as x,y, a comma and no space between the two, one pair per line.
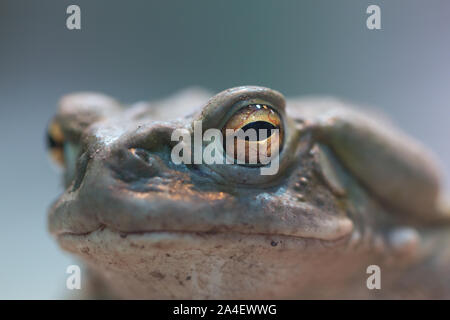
350,192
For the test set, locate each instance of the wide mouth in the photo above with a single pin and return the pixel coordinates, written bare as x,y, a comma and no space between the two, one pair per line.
172,202
71,217
159,239
192,233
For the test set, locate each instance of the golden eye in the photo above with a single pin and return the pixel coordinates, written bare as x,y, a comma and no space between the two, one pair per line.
256,130
55,143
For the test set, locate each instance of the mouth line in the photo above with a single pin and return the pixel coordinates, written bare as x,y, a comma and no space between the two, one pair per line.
125,234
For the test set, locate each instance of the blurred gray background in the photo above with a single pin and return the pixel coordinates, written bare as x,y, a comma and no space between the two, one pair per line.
137,50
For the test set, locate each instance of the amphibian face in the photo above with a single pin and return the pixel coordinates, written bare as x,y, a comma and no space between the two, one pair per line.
349,192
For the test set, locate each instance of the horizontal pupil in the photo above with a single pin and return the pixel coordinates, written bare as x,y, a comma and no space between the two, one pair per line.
259,125
52,143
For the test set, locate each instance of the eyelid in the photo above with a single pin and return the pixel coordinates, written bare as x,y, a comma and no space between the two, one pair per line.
265,113
240,106
223,105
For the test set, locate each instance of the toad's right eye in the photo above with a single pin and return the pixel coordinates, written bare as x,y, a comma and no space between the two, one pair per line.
55,143
259,118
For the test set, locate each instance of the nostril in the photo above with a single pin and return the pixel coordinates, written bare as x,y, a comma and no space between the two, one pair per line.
141,154
152,137
133,164
80,170
148,165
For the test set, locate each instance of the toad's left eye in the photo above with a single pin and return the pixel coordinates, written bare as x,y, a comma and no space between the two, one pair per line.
55,143
267,132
